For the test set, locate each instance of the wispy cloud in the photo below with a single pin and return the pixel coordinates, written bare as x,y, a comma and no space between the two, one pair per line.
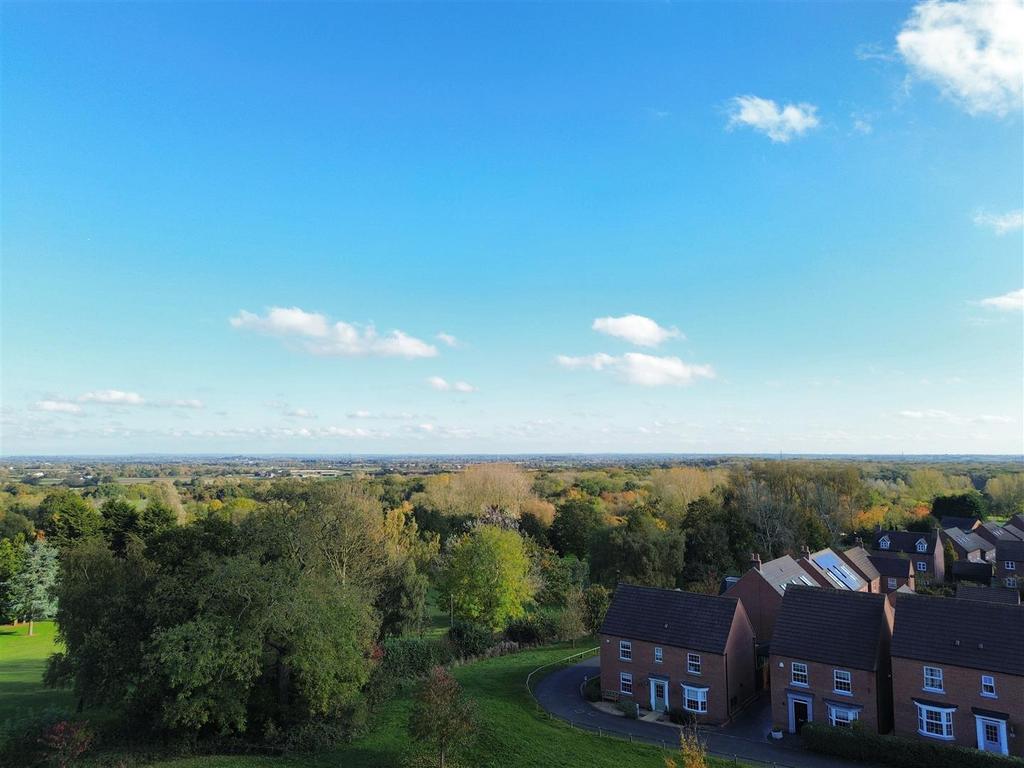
973,51
57,406
945,417
443,385
317,335
1008,302
447,339
636,329
780,124
1000,223
112,397
641,369
874,52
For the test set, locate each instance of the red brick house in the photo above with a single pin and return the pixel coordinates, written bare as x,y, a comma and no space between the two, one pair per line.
665,648
967,545
1010,564
761,589
831,571
923,549
894,571
994,533
830,660
958,672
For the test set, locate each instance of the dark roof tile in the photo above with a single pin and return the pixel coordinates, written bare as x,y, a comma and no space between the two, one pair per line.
988,594
906,541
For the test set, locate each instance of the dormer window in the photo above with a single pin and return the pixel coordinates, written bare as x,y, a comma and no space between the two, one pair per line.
922,545
883,543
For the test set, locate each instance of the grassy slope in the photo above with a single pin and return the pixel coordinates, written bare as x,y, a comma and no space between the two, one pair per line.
22,661
512,733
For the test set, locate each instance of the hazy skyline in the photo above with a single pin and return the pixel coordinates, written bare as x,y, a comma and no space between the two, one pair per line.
490,228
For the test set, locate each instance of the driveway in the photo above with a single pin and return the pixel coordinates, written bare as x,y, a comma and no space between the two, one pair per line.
744,739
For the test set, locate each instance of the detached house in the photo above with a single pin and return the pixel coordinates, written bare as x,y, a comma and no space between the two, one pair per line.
994,533
832,571
761,589
923,549
664,648
958,672
967,545
1010,564
830,659
895,571
859,559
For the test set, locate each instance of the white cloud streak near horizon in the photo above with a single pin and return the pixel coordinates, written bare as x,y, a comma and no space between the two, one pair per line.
973,51
935,414
780,124
1000,223
319,336
636,329
641,369
443,385
1008,302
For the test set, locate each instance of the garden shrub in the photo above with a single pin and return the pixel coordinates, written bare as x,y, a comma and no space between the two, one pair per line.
592,689
680,716
858,743
629,708
470,639
536,628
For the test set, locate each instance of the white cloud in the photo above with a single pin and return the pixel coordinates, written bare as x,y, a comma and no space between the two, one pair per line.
364,414
643,370
182,403
319,337
443,385
1008,302
636,329
973,51
935,414
765,115
300,413
874,52
862,124
1000,223
447,339
112,397
57,406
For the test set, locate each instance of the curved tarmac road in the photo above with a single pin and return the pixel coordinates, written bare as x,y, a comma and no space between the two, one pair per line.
559,693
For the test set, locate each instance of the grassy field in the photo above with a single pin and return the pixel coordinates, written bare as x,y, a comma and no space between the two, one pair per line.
22,661
512,733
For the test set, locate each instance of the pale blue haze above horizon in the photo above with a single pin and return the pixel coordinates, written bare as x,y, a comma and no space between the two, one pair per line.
812,209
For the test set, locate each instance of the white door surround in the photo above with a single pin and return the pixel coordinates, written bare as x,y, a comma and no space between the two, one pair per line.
659,694
991,734
791,700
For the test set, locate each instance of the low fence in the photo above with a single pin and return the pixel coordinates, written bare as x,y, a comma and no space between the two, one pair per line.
604,732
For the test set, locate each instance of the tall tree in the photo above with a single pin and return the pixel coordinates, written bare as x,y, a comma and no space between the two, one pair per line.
576,521
68,518
441,716
32,588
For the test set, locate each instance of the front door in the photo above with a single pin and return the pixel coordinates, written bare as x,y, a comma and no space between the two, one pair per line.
992,735
659,695
799,713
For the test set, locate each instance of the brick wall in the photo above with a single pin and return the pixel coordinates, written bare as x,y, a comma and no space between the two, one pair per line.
963,689
865,693
760,601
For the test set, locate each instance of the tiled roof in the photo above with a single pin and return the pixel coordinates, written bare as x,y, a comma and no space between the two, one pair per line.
896,565
670,617
964,523
995,533
861,561
783,572
835,571
965,633
906,541
830,626
1010,550
988,594
969,540
972,570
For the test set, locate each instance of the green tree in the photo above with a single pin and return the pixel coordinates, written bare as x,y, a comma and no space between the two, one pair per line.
13,524
442,718
11,554
597,598
970,504
487,577
32,587
68,518
575,522
642,551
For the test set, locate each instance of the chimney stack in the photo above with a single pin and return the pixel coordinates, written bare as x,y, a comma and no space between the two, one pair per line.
755,561
859,542
805,551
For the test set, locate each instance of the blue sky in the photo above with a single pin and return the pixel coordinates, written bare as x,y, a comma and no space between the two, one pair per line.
666,227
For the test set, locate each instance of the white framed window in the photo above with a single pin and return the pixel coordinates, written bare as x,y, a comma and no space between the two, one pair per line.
922,545
933,679
988,686
922,566
626,683
693,663
935,722
842,682
1011,582
799,673
842,717
695,699
892,583
1010,565
625,650
658,654
883,543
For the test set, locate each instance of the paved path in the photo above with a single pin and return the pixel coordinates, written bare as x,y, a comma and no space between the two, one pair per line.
559,694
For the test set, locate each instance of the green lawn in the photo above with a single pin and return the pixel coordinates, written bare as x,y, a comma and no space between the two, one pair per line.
22,661
512,732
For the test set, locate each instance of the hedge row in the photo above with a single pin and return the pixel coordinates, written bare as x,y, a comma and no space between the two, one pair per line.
861,744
